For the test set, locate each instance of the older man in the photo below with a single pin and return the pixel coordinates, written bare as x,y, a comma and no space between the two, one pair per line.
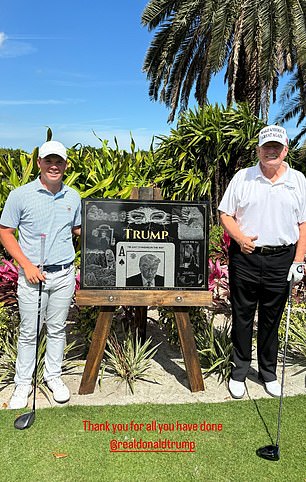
264,212
46,206
148,266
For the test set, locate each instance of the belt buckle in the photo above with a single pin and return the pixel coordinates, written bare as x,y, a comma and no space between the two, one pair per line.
265,249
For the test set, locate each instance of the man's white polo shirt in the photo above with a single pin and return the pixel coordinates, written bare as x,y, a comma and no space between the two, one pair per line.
271,211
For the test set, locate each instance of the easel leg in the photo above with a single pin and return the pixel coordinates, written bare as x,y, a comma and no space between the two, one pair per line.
141,314
188,346
96,350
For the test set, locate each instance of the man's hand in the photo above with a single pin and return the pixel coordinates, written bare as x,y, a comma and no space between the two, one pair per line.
246,244
33,274
296,272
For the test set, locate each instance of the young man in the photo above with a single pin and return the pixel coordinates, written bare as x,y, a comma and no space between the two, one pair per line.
264,212
44,206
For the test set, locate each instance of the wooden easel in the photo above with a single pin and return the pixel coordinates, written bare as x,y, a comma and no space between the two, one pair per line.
179,300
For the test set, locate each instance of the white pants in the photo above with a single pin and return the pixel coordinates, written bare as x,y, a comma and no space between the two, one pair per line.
57,292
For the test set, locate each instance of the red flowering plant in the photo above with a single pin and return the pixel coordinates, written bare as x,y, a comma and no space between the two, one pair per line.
218,267
8,282
77,281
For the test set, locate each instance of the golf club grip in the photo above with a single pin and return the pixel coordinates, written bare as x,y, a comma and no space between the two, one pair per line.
288,310
42,251
290,288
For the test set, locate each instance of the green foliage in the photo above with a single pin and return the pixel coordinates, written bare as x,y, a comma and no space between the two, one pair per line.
215,238
107,172
254,42
202,154
213,342
130,360
16,168
85,323
215,349
293,102
296,334
93,172
198,316
195,161
298,159
9,319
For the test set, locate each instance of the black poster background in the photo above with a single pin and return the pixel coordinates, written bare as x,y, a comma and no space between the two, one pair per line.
117,234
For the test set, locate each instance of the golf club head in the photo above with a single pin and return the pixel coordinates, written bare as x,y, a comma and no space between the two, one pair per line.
25,420
269,452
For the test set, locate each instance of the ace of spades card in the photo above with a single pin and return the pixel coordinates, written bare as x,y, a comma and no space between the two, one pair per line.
130,256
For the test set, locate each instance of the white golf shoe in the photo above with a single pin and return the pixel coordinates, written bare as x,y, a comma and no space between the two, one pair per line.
60,390
273,388
236,388
20,396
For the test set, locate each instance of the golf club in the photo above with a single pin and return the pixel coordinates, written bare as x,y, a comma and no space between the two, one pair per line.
27,419
272,452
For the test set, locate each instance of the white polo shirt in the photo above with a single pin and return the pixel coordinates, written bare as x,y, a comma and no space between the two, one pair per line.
271,211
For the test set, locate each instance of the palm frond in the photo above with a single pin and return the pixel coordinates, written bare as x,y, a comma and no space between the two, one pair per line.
256,40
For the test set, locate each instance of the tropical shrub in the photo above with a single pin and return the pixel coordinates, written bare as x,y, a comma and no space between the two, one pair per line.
299,161
130,359
214,346
198,316
107,172
16,168
93,172
202,154
9,320
296,333
8,282
84,325
213,342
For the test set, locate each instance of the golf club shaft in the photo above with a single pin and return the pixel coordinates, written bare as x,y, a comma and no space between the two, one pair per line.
41,264
284,362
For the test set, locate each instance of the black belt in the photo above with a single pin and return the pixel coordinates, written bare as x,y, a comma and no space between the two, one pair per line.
271,249
52,268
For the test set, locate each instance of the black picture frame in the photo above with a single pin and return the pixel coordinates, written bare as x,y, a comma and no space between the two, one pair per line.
136,244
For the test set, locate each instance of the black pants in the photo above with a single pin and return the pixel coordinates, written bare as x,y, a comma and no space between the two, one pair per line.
257,281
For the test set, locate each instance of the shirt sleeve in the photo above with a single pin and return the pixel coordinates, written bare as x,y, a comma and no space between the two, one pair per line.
228,204
302,213
10,216
77,217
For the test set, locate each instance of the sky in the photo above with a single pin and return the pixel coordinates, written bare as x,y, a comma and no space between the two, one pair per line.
76,67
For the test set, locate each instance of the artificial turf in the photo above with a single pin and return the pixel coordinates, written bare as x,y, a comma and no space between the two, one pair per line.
58,448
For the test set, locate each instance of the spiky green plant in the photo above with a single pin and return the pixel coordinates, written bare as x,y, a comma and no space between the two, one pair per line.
8,318
214,346
296,334
130,360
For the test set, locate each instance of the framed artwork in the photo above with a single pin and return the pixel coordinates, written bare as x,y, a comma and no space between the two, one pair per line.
135,244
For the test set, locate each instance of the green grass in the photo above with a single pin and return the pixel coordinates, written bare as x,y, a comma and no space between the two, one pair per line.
224,456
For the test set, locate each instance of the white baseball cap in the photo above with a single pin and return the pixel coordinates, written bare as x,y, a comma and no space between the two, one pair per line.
273,133
53,147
